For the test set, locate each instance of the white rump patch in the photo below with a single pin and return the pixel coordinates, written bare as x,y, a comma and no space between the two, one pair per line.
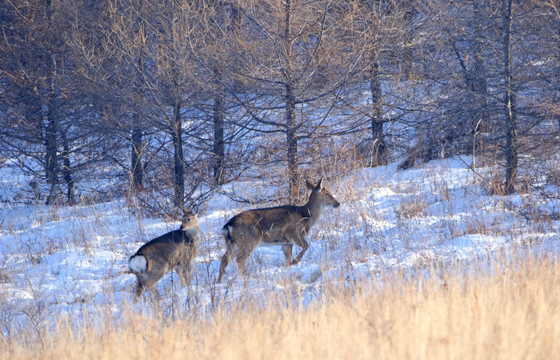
137,264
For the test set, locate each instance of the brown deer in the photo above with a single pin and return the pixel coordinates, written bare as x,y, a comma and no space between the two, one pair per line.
174,250
281,225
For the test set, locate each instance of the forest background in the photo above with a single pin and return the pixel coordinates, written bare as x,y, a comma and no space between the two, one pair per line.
170,99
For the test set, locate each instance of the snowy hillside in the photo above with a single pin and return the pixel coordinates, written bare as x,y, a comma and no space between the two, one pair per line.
71,260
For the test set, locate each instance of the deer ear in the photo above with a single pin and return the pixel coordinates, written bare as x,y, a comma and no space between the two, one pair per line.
310,185
187,213
320,185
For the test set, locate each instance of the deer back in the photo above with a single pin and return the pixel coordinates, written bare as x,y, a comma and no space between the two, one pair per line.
270,224
171,248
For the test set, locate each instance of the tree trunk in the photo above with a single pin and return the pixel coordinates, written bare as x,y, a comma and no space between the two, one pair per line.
178,174
51,153
290,103
219,144
67,169
479,85
408,54
51,150
379,153
291,141
137,169
510,110
557,70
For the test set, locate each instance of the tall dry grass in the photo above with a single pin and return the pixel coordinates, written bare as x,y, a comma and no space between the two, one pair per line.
509,309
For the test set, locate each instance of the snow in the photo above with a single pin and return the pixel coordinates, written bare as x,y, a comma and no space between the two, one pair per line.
71,261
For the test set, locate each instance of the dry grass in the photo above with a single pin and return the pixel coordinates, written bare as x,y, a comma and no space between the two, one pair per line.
508,310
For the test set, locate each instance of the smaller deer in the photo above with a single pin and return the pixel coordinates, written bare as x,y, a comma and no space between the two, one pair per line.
174,250
281,225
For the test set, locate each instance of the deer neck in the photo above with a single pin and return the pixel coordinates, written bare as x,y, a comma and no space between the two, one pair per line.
191,232
313,209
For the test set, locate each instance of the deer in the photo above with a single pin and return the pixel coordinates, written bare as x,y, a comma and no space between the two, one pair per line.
282,225
159,256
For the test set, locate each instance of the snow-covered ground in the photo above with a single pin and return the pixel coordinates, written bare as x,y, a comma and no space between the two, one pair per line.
71,261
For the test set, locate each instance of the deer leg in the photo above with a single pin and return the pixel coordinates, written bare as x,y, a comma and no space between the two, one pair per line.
154,275
224,262
145,281
241,260
304,246
139,289
287,249
184,272
245,250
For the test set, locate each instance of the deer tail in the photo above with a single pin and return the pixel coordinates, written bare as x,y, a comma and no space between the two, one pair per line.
226,230
138,264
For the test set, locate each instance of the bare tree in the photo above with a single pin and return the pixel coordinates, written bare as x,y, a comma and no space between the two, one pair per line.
382,32
174,91
510,106
108,43
217,24
297,58
33,67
